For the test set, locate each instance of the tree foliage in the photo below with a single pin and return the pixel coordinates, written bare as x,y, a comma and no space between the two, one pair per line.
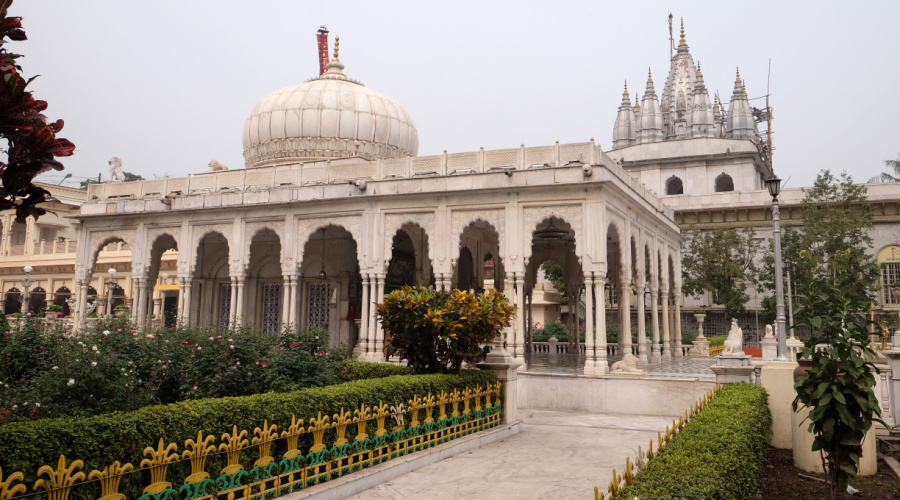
838,386
32,145
722,261
893,174
436,331
833,240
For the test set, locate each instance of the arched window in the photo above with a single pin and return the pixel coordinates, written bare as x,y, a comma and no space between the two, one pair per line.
724,183
674,186
38,300
61,297
889,259
13,301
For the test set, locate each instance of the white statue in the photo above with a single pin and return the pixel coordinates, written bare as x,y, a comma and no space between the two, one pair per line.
116,174
769,331
735,342
628,364
215,166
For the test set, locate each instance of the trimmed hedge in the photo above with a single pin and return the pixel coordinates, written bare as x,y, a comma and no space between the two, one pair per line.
101,439
361,370
720,453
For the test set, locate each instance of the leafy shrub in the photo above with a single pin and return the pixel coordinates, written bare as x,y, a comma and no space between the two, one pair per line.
720,453
688,334
439,330
361,370
554,329
47,372
612,332
54,308
99,440
716,340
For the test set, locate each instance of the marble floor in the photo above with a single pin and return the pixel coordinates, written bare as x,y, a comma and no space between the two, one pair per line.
574,364
558,454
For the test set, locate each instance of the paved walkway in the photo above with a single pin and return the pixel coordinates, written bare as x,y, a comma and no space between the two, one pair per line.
574,364
558,454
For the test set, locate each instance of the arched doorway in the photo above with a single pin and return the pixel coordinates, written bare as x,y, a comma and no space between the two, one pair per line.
13,301
210,273
265,283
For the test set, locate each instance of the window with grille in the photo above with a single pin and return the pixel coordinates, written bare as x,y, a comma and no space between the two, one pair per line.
271,307
317,303
223,309
890,273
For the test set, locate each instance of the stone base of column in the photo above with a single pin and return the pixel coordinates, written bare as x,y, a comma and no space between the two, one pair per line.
700,349
589,365
733,368
601,366
642,352
778,381
654,354
666,356
769,348
505,367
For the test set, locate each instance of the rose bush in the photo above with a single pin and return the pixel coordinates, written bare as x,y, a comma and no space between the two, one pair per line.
46,371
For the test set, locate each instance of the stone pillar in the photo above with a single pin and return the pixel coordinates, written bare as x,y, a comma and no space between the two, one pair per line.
666,340
588,323
677,323
641,322
601,365
293,312
143,299
509,332
520,318
239,299
102,304
81,308
136,297
625,306
232,306
778,381
362,346
285,300
157,309
186,316
654,318
379,329
373,317
504,367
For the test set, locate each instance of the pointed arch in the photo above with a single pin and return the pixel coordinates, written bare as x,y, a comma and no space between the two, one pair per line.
674,186
724,183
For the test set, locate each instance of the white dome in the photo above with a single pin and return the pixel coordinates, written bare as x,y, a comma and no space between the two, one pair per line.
330,116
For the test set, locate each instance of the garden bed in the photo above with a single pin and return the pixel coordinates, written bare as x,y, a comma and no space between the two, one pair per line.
782,480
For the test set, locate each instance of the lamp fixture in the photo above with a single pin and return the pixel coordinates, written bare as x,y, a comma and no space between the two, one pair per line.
773,184
551,232
322,274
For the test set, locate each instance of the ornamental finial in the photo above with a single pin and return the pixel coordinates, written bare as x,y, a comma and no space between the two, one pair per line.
649,75
337,46
738,74
626,86
682,42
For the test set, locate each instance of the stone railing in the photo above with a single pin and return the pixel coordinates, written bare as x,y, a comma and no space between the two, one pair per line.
349,170
54,247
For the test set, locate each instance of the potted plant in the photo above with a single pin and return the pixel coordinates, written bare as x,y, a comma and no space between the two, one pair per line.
121,310
53,311
895,290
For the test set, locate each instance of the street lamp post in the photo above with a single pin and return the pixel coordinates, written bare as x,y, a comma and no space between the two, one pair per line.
110,286
27,282
774,186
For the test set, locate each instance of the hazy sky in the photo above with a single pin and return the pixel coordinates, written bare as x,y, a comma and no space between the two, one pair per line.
167,85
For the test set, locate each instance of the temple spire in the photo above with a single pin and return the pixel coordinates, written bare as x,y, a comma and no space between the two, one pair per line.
337,45
682,41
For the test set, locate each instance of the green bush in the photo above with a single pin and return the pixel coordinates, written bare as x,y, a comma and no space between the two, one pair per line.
688,334
47,372
436,330
720,453
102,439
554,329
716,340
362,370
54,308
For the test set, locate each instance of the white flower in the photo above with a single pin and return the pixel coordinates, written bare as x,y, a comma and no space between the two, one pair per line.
105,332
37,405
55,367
71,382
94,363
15,407
94,348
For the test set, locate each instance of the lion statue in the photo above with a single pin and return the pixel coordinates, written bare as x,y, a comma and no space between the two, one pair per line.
628,364
215,166
735,342
116,174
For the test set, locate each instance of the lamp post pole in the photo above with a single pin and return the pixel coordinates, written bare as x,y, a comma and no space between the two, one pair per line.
774,185
790,301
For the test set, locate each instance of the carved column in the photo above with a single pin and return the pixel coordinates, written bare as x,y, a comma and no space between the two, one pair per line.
588,323
379,329
601,365
136,297
654,318
81,311
286,300
641,321
239,298
676,337
186,316
509,333
373,319
625,306
142,301
232,304
667,339
293,312
520,318
362,346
